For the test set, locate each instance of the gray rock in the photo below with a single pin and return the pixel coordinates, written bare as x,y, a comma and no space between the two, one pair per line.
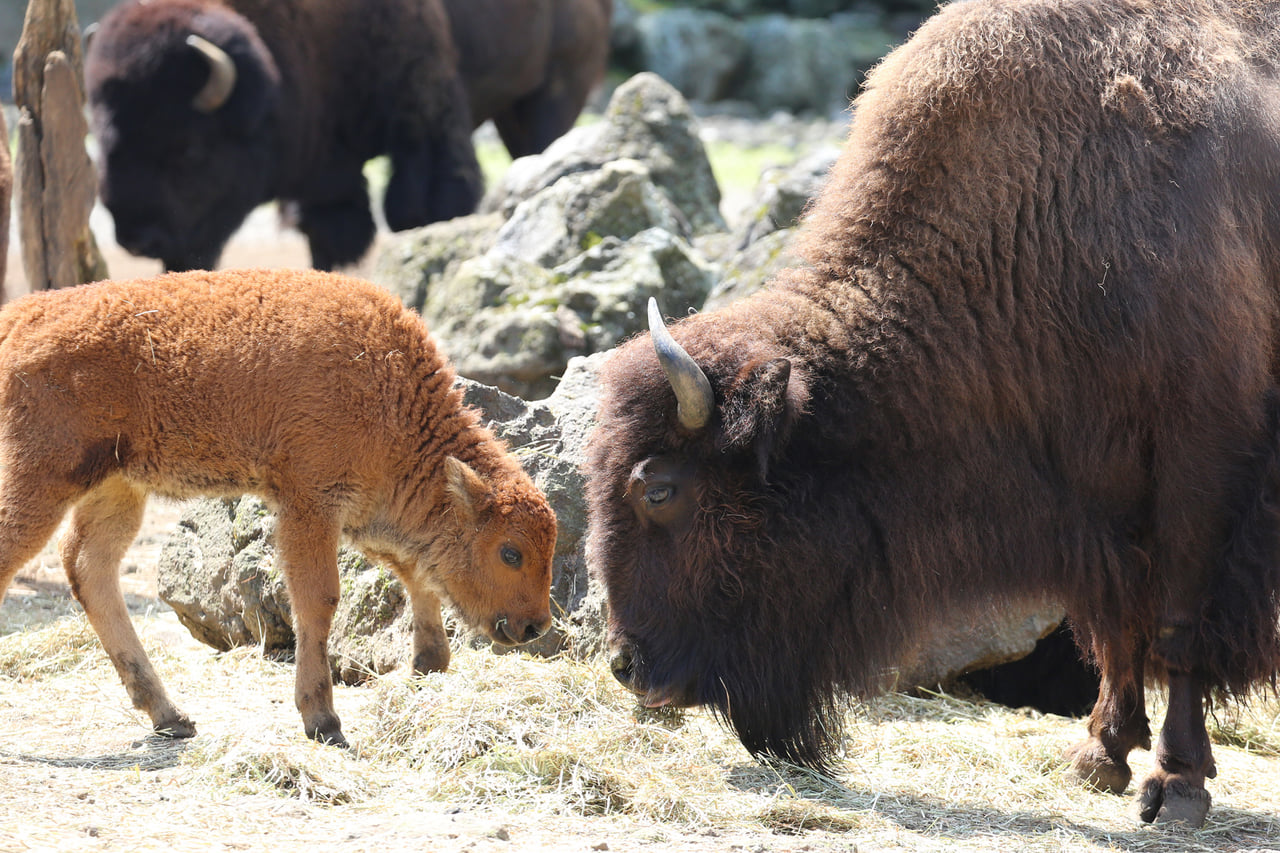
411,261
761,247
752,268
511,323
797,65
619,199
699,52
646,120
968,642
783,193
217,569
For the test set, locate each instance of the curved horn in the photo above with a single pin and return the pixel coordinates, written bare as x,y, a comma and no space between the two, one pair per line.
693,390
222,75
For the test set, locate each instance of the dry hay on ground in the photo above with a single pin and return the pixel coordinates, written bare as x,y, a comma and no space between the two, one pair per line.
546,755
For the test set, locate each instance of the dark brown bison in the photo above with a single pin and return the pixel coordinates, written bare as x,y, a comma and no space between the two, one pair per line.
529,65
206,108
320,393
1034,348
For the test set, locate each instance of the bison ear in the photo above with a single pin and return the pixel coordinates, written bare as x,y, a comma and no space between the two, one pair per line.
467,490
761,410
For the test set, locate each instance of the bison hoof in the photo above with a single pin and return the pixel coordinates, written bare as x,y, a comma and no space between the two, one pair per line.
332,737
176,727
1167,799
1096,769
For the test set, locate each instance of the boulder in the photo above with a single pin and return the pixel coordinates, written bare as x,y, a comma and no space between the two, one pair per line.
409,263
217,570
620,199
798,65
579,241
646,120
700,52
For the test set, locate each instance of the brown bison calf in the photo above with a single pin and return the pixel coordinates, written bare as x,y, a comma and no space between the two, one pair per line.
318,392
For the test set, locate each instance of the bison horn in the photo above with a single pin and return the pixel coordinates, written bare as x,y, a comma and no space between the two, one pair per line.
693,391
222,75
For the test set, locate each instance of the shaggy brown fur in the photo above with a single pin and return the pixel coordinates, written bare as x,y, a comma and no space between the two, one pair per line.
530,64
1034,350
320,393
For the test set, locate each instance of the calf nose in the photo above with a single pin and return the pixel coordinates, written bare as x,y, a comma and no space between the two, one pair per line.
623,665
517,631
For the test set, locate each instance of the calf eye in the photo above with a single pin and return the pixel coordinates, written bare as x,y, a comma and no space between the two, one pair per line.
658,495
511,556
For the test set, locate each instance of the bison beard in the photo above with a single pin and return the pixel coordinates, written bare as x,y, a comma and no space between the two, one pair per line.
1031,353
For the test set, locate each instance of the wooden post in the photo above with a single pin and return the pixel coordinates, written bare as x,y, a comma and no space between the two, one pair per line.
55,180
6,195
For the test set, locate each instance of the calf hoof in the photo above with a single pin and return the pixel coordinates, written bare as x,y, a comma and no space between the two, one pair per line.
176,727
433,659
1168,799
1093,767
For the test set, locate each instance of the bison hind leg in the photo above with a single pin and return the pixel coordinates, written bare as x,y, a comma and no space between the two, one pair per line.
103,525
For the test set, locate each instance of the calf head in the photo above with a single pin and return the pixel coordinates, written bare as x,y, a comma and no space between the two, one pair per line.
499,578
182,97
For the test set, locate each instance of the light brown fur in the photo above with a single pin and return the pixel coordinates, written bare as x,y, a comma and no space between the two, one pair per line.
318,392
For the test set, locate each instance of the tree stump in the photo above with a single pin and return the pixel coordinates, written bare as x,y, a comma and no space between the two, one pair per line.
54,178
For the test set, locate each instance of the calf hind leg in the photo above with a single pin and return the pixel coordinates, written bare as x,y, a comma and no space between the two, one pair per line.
103,525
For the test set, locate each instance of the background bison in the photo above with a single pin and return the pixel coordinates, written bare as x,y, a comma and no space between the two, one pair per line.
529,65
204,110
1032,351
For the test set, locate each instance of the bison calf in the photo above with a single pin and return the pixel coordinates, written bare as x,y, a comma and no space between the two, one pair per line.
318,392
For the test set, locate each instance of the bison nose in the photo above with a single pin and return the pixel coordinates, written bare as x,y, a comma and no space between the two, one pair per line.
623,665
141,239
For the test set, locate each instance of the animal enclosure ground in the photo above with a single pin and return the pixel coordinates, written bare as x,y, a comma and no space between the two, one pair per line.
508,752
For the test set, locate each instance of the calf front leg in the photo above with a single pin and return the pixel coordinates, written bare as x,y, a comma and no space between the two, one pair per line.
308,548
103,525
431,652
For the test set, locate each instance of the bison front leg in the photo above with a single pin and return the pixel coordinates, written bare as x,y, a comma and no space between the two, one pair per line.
1117,725
102,526
435,177
339,228
1175,792
308,548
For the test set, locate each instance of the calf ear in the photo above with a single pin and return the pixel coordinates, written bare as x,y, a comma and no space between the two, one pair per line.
468,492
762,408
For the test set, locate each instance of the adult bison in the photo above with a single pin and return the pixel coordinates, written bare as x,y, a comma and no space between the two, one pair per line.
1033,349
206,108
529,65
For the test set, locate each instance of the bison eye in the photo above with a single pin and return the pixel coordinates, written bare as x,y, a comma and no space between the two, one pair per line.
511,556
658,495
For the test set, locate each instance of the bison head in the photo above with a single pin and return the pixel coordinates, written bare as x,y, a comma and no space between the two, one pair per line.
182,96
724,556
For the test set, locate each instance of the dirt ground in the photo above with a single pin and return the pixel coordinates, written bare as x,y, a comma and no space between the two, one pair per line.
81,774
